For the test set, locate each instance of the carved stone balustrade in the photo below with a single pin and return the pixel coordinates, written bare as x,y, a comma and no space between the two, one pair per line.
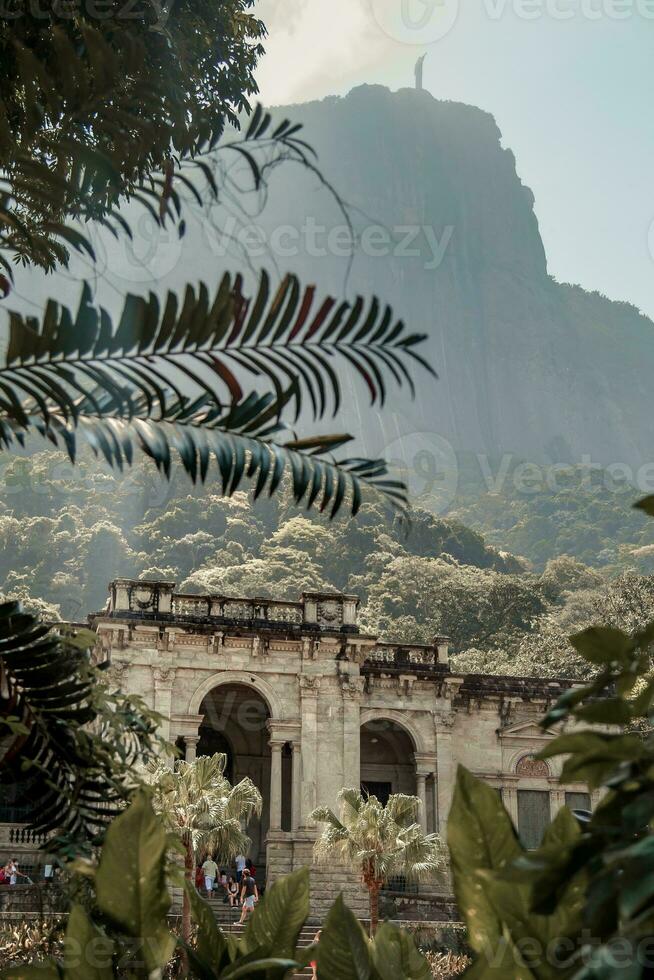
158,602
405,658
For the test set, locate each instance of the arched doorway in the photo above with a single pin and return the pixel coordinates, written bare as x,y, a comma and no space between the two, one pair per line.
387,759
236,722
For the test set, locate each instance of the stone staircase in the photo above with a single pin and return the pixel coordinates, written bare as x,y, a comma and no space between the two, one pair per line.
228,920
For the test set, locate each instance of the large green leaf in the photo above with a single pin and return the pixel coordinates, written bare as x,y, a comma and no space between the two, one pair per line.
603,645
480,836
87,952
344,951
131,880
395,954
274,968
503,964
276,924
212,947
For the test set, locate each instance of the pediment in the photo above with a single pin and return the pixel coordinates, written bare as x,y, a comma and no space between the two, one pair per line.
526,730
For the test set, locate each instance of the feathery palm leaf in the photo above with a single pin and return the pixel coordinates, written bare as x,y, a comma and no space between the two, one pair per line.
68,746
198,803
167,379
377,840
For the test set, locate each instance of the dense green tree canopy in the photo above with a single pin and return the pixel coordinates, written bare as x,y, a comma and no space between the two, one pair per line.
95,97
68,531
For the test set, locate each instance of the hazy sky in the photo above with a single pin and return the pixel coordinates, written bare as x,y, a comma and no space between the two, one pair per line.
570,83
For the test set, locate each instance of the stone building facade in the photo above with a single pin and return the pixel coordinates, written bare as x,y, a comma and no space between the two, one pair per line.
305,703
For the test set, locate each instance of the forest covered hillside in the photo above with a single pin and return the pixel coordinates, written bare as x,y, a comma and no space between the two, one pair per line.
66,533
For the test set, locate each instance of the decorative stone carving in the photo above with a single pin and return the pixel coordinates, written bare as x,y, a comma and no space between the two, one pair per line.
143,598
444,720
260,646
405,684
330,613
163,676
309,685
352,687
532,768
117,672
308,648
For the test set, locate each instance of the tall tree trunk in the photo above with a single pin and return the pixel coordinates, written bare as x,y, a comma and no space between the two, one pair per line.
189,873
373,889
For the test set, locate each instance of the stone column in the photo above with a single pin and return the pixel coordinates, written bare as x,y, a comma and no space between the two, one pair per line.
191,746
276,784
296,785
421,779
164,678
434,806
510,801
352,689
309,688
445,769
557,800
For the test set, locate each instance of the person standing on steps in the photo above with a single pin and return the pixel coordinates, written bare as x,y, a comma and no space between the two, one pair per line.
314,963
240,865
249,894
209,870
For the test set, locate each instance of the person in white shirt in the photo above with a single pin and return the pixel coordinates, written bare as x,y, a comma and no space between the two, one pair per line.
209,870
240,865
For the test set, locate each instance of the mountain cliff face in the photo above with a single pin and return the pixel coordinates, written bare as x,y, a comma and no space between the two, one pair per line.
447,234
526,366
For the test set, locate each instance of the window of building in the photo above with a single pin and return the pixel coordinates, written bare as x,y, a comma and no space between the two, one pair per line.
533,816
578,801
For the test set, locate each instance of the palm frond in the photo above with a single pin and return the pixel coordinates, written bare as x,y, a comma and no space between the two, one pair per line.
70,377
197,801
323,814
370,838
403,810
68,772
352,802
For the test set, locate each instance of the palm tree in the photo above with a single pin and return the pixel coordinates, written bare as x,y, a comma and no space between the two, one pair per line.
378,841
200,806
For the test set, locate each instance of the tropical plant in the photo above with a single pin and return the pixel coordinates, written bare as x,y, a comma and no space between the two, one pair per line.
198,804
378,841
107,105
125,933
68,743
582,905
167,379
445,966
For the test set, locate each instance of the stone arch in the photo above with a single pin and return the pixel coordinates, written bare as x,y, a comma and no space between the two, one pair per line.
388,750
398,718
243,678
